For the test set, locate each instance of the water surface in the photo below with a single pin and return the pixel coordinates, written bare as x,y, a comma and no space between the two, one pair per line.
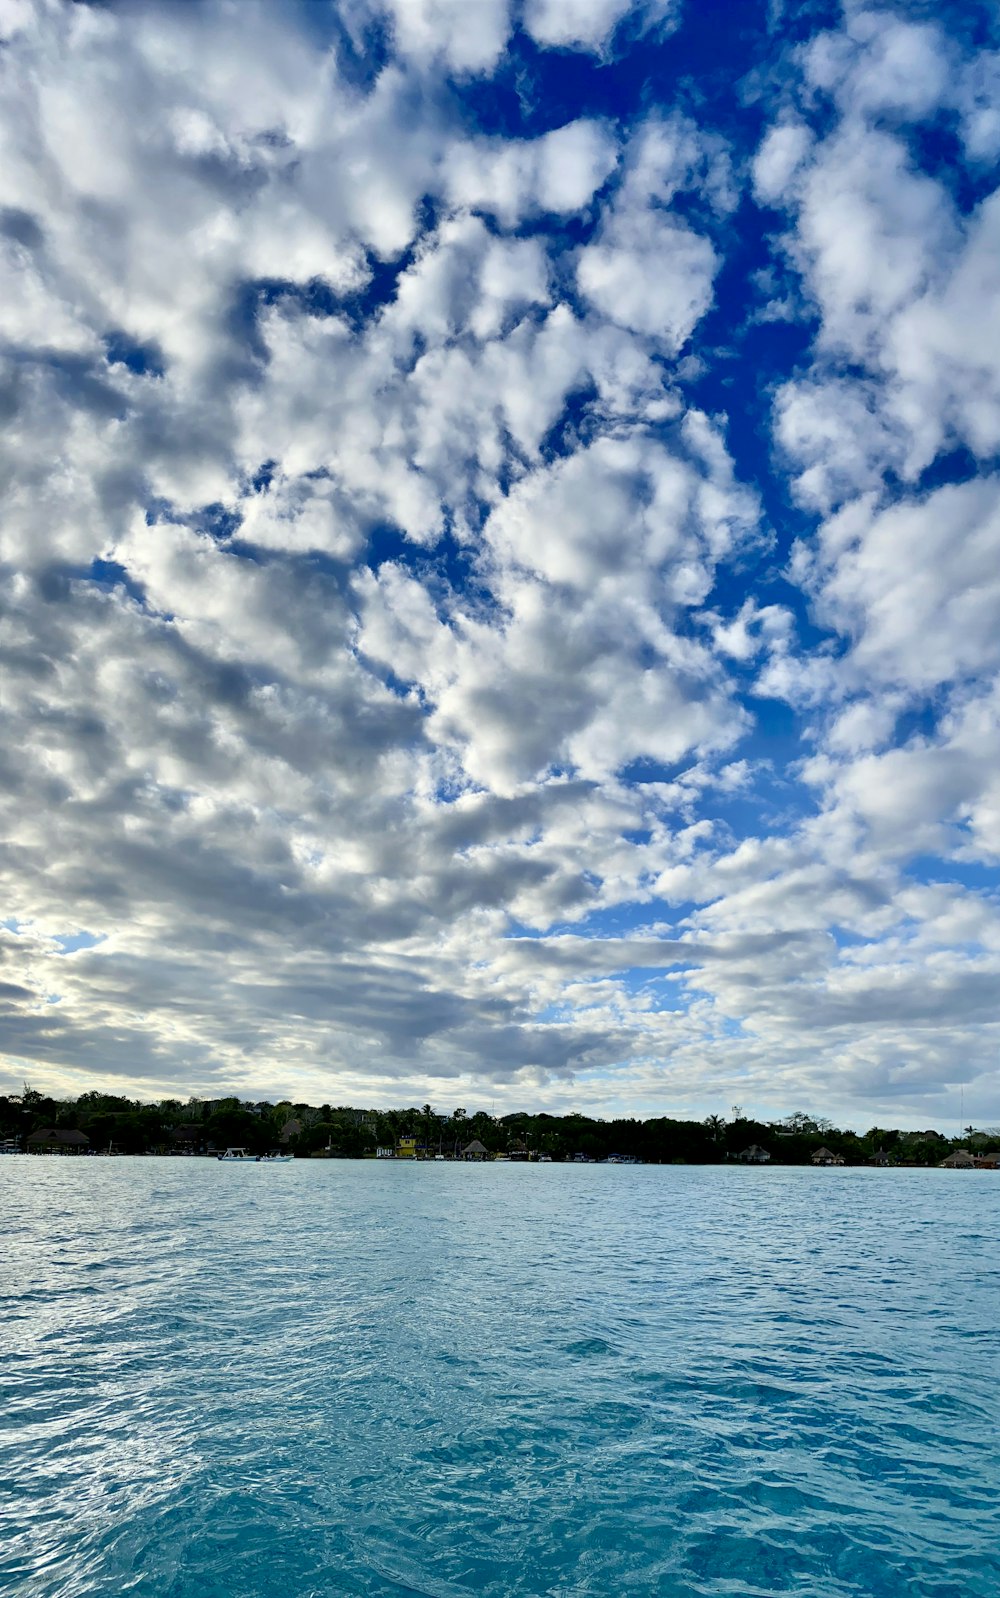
351,1378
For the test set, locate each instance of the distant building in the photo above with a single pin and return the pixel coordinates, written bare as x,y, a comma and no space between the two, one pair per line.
754,1155
475,1151
292,1128
406,1148
961,1160
825,1156
880,1157
384,1152
53,1140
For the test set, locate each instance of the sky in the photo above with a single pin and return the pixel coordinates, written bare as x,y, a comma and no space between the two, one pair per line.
500,554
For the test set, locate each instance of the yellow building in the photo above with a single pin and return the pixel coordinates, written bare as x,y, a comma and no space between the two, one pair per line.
406,1148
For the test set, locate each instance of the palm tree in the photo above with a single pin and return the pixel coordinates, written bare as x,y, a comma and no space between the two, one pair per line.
428,1115
458,1127
714,1125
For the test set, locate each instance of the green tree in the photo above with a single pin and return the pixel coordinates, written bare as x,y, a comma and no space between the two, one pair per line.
715,1126
237,1128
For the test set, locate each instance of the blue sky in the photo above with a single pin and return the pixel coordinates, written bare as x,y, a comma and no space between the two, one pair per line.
500,554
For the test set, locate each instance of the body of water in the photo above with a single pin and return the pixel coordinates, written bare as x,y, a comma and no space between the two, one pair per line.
334,1378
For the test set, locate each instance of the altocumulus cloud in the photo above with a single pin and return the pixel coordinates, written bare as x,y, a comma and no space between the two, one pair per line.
500,534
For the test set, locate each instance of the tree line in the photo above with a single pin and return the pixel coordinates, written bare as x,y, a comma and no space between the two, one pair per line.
129,1126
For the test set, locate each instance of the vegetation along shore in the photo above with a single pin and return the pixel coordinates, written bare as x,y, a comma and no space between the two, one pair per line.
101,1123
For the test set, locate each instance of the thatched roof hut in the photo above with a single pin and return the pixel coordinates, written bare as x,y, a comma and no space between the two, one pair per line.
475,1151
961,1160
62,1140
825,1156
754,1155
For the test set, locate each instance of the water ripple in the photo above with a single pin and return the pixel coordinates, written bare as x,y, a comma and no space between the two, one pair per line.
519,1381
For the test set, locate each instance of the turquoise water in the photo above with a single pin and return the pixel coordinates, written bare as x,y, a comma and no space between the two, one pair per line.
350,1378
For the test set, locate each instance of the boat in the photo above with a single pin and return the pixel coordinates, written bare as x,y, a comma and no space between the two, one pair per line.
239,1153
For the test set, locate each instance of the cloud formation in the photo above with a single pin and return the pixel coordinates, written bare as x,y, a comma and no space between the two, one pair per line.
498,557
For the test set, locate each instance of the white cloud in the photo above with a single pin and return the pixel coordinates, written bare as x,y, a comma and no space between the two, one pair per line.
779,158
871,231
647,269
839,433
655,277
589,24
941,348
880,63
559,172
465,280
905,285
302,514
240,726
916,586
935,795
469,38
632,532
339,639
978,101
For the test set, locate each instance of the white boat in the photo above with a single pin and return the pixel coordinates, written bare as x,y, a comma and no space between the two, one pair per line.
255,1159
